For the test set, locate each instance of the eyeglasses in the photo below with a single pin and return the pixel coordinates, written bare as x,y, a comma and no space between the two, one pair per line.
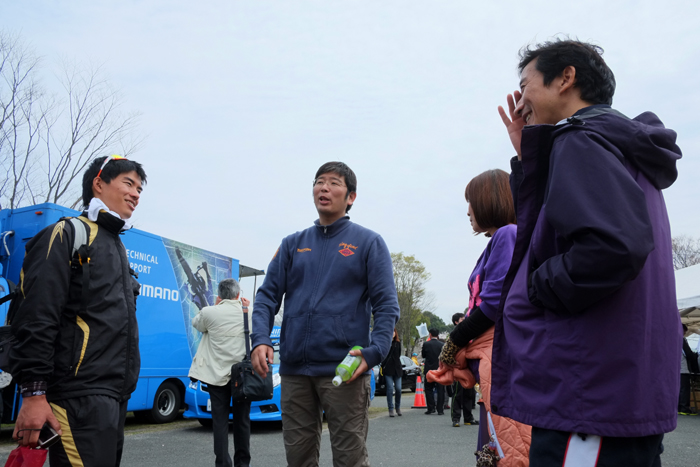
334,182
110,158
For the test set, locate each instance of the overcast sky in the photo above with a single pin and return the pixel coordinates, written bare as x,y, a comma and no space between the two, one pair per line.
242,101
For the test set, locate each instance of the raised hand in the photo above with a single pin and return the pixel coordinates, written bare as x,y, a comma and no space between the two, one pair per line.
513,121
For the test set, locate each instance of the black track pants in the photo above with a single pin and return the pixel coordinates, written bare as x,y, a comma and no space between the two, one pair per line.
93,432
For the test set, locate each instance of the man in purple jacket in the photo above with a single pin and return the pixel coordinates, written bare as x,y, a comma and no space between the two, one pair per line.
586,348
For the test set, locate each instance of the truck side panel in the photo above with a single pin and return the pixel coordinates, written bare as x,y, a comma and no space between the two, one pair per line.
177,280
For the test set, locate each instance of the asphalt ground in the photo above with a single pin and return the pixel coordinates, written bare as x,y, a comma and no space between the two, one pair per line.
414,439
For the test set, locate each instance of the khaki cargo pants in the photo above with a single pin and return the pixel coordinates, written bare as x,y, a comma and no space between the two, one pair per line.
346,406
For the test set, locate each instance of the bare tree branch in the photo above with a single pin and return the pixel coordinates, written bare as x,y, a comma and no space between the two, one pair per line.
96,127
686,251
22,118
47,142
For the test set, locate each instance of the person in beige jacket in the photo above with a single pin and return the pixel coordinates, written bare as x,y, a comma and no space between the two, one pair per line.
221,346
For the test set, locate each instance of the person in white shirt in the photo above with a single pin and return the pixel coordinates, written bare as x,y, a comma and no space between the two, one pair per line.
221,346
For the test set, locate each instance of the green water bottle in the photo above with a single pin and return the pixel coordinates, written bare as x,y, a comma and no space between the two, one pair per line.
347,367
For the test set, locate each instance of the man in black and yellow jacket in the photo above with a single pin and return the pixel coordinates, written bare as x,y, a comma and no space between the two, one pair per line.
77,354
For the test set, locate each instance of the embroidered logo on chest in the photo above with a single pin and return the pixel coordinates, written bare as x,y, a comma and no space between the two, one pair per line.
347,250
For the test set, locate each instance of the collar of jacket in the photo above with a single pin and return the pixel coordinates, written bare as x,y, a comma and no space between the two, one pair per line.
593,111
96,206
109,222
538,138
334,228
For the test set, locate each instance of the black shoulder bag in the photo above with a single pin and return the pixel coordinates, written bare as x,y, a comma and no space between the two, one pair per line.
246,385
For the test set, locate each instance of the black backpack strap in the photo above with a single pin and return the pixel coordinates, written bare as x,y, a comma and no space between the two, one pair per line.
81,253
85,261
247,332
12,295
8,297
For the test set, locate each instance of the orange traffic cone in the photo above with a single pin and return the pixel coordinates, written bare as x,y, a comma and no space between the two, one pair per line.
419,400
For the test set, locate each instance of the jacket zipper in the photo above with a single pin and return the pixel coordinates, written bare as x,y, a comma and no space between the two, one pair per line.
312,302
127,365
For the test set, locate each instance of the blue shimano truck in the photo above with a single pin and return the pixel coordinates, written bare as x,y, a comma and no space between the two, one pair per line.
177,280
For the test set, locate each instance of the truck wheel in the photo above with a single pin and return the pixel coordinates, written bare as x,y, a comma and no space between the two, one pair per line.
166,404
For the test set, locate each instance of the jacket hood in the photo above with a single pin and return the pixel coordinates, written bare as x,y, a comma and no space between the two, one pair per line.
643,140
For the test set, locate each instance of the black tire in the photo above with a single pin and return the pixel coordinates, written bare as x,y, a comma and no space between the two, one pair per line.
206,422
166,404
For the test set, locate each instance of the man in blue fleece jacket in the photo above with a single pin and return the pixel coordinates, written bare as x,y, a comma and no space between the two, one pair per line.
333,277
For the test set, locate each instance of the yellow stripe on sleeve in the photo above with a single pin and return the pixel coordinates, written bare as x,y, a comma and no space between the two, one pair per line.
57,231
86,334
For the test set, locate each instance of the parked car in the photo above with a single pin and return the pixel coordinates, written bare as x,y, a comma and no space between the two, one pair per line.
408,381
198,403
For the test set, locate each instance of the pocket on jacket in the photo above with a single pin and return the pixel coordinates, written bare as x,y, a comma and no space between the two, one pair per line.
293,335
327,341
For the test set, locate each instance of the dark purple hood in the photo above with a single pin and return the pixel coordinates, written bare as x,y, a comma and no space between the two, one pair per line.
643,140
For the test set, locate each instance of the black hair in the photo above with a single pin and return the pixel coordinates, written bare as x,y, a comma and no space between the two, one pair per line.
456,317
594,79
434,332
341,169
112,170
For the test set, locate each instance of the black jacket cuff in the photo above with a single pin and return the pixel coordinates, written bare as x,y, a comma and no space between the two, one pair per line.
470,328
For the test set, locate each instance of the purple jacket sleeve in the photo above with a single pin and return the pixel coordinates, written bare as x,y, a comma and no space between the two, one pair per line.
496,268
599,209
